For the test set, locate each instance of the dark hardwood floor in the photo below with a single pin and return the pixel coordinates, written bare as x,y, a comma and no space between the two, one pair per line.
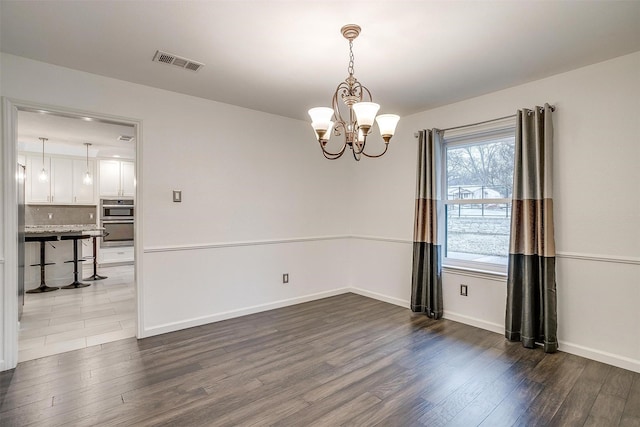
346,360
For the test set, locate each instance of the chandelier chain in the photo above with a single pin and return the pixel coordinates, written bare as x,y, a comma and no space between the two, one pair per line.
351,58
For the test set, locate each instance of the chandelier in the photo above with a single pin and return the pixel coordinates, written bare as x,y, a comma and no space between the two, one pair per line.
355,101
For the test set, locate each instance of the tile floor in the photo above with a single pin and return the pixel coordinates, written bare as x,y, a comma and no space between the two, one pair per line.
70,319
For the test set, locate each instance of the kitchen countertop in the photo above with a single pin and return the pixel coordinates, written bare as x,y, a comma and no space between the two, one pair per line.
64,229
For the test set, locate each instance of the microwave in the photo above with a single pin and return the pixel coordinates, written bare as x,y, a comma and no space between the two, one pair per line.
117,208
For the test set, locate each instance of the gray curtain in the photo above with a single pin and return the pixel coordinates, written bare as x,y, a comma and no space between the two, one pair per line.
531,315
426,283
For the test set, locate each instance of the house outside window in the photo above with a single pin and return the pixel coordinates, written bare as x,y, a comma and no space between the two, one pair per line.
478,178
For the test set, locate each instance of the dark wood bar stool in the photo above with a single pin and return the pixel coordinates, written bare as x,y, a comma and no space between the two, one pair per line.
43,286
76,284
95,275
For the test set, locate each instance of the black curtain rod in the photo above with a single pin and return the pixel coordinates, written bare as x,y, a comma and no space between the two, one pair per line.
553,108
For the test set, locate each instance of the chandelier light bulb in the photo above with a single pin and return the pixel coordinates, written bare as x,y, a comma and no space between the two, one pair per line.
321,114
365,113
387,124
322,130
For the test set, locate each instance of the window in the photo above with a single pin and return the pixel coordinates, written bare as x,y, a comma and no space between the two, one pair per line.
478,180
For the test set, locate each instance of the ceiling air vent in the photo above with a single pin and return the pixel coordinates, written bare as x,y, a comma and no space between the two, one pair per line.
171,59
125,138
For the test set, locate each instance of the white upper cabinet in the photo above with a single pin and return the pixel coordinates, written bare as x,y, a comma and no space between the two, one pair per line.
64,184
37,191
128,179
61,180
84,193
109,178
117,178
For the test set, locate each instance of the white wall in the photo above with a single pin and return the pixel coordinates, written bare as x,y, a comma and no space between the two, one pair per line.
245,176
260,200
597,210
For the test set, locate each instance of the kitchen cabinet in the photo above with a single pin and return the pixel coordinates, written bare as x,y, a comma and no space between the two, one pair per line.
65,183
37,191
58,188
117,178
83,193
116,255
61,180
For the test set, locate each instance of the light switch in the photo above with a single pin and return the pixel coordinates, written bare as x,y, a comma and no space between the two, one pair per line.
177,195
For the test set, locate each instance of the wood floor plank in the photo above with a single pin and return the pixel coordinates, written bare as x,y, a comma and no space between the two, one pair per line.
544,407
344,360
606,411
632,406
486,369
618,383
403,402
576,407
629,421
524,361
511,408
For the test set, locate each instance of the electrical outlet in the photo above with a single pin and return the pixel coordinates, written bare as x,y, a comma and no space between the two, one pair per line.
463,290
50,215
90,215
285,278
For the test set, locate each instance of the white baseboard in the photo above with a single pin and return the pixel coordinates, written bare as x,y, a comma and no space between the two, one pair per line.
203,320
474,321
600,356
380,297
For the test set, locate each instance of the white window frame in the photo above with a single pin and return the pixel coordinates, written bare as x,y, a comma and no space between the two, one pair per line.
469,136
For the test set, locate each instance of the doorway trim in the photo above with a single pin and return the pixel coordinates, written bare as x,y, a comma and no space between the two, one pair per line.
9,232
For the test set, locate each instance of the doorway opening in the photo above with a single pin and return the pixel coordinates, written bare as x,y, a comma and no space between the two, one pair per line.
92,162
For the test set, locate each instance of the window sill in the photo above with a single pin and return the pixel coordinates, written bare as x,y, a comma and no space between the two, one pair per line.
476,272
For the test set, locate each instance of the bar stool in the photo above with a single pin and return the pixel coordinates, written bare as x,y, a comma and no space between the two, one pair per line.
43,286
76,284
95,236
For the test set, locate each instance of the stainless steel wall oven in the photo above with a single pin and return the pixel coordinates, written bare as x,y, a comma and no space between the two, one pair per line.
117,219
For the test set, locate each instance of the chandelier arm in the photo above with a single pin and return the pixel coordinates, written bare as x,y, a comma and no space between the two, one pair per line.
336,105
364,89
386,146
356,151
330,155
356,156
344,144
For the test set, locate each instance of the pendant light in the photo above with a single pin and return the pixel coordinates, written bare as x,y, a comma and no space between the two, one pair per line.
87,180
43,176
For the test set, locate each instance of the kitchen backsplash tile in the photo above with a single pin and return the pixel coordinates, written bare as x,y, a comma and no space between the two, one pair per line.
60,214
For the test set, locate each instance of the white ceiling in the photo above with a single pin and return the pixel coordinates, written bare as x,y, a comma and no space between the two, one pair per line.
284,57
66,135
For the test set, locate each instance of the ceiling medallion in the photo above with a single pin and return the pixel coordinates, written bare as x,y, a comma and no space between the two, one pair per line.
359,110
